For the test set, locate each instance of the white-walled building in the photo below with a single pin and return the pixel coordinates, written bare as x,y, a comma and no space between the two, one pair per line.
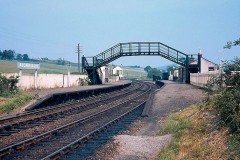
201,66
118,71
207,66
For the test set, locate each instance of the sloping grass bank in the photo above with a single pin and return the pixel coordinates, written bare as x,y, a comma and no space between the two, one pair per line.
198,136
14,102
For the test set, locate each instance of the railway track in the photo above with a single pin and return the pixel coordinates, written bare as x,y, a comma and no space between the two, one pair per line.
54,143
29,119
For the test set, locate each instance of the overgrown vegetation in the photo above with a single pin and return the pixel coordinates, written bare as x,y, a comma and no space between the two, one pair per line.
227,101
195,135
14,102
84,81
10,97
8,86
211,129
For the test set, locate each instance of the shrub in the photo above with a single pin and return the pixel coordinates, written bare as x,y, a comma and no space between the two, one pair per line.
84,81
8,85
15,102
228,105
228,101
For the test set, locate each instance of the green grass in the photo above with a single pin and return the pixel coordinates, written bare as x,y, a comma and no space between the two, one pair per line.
14,102
195,136
45,67
8,66
175,125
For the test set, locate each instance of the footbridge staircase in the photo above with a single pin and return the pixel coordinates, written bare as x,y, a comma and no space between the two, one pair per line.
91,64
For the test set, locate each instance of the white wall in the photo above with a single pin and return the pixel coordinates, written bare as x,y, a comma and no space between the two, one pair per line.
113,78
201,79
44,81
118,71
205,64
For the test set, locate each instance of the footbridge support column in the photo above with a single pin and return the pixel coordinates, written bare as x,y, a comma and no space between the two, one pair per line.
187,71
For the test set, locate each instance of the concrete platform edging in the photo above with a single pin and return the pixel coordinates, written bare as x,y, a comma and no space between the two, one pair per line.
63,97
149,102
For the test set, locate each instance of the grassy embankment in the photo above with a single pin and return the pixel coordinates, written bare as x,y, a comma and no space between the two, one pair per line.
197,135
14,102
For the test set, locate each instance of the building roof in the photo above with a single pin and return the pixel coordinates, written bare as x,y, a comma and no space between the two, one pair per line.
209,61
117,68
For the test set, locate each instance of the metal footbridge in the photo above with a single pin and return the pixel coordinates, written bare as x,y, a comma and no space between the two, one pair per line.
91,64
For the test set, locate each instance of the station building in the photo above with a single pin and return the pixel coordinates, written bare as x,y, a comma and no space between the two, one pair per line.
205,68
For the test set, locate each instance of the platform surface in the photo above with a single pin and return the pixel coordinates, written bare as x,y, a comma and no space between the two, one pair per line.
44,92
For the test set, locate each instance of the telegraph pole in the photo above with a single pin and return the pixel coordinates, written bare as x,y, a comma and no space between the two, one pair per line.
78,52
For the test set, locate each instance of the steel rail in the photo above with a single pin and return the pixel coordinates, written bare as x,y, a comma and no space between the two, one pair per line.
77,143
21,145
53,115
26,113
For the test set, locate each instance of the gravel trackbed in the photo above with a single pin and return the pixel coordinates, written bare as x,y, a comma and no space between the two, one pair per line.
144,144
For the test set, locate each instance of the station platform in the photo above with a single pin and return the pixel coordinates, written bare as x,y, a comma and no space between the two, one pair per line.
44,92
54,96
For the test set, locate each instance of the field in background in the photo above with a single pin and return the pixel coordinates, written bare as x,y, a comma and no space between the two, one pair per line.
134,73
52,68
45,67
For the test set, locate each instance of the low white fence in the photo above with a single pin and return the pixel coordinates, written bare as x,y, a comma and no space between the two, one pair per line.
44,81
201,79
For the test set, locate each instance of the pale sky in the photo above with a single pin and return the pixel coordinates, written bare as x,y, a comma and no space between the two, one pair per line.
52,28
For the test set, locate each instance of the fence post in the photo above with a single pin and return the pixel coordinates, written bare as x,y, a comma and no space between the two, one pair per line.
35,79
20,77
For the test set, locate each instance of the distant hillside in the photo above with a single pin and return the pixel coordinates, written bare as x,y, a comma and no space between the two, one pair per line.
45,67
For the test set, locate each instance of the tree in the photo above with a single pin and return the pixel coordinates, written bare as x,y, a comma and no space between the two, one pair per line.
11,54
44,59
61,61
154,71
8,54
0,54
19,56
25,57
171,68
147,68
230,44
4,54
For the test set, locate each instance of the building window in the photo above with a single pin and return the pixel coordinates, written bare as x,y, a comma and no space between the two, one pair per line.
210,68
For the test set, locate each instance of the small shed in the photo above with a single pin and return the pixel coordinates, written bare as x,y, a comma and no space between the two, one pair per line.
118,71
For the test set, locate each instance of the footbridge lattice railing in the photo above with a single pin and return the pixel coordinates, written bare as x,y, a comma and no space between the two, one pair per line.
135,49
